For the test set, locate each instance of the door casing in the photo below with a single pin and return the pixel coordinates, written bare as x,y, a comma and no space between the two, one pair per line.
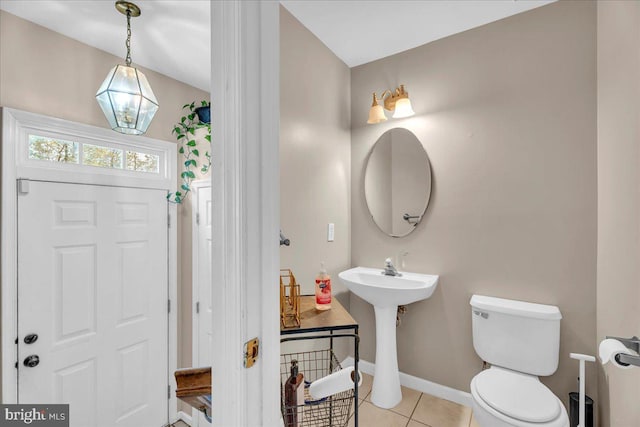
16,126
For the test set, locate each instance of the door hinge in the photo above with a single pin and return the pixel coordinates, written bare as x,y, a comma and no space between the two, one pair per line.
168,392
168,220
198,218
198,307
23,186
168,306
251,349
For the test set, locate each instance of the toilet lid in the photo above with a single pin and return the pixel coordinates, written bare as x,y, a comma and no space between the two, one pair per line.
518,396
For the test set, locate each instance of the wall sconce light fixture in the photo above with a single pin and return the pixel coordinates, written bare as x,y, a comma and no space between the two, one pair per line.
396,101
125,96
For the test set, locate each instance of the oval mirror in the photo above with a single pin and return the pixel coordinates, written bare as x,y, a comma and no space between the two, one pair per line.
397,182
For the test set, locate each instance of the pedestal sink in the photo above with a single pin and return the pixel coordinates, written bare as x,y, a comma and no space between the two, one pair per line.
386,293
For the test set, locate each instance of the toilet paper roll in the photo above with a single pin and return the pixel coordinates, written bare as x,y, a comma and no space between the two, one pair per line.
608,350
334,383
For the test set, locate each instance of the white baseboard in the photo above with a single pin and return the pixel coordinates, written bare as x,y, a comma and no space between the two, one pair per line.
419,384
184,417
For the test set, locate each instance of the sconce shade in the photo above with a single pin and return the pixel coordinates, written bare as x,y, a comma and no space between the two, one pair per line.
376,115
403,109
376,112
127,100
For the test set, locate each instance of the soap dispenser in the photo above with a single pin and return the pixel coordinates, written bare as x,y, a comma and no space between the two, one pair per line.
323,289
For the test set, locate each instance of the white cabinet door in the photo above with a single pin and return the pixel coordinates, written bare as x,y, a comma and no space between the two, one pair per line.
92,284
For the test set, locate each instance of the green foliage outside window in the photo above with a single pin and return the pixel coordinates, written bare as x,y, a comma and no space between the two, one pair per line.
53,150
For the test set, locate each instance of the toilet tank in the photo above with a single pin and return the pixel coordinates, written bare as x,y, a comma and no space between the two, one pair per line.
517,335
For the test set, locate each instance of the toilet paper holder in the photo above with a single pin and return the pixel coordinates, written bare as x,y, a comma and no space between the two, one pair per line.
632,343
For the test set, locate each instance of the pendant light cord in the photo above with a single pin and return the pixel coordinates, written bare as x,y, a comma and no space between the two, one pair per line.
128,43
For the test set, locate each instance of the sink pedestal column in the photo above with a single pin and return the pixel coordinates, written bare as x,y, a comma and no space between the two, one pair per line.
386,392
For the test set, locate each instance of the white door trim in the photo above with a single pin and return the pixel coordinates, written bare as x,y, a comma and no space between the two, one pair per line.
195,283
195,265
246,217
15,128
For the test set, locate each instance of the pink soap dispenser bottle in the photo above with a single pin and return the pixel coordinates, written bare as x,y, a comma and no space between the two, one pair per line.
323,289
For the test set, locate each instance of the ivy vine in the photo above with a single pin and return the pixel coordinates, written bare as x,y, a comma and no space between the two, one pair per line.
185,133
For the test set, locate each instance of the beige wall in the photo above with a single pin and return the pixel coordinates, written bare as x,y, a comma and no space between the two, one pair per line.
507,115
618,201
44,72
315,166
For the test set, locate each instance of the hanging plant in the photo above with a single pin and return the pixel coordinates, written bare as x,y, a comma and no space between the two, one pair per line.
194,159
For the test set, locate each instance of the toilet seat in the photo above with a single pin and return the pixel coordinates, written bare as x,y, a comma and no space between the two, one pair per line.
517,395
517,399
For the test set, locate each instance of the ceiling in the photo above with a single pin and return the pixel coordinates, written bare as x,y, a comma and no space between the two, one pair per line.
172,37
363,31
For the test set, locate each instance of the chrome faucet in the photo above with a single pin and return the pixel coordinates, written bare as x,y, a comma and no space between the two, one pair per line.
390,269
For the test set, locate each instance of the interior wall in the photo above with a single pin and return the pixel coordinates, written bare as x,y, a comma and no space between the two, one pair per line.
507,115
315,166
44,72
618,292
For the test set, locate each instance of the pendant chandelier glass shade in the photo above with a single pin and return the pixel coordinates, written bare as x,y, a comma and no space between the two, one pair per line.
125,96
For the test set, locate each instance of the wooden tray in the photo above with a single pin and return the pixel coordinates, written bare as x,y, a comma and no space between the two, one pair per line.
194,388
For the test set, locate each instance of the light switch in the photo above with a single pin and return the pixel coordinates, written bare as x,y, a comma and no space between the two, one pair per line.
330,232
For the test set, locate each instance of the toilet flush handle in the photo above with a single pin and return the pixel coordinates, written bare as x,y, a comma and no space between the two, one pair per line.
481,314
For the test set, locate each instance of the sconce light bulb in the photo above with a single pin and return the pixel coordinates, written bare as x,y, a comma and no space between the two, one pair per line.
403,109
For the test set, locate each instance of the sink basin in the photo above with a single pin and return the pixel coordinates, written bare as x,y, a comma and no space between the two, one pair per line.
379,290
386,293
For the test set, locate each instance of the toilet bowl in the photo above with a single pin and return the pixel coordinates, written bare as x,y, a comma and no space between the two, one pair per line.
521,341
505,398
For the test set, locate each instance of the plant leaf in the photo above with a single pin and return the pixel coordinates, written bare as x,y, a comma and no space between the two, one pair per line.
181,150
207,137
195,152
191,143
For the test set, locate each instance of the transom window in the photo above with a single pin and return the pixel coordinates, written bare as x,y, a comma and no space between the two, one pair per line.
80,153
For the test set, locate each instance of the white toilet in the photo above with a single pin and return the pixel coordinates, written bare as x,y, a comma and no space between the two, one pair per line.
521,341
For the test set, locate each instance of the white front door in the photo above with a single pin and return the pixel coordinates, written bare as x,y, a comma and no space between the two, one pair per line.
202,284
92,284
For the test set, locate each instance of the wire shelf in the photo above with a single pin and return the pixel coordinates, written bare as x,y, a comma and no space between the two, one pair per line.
332,411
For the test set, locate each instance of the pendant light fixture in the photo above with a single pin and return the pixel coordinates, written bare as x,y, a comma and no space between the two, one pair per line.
125,96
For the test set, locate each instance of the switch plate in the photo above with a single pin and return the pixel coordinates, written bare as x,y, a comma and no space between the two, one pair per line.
330,232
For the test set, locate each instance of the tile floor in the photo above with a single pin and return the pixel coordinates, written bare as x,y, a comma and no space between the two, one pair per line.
415,410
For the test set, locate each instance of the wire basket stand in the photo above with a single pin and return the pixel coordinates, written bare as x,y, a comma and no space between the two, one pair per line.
332,411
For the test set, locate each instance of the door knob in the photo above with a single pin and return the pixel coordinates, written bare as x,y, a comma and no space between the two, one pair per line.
31,338
31,361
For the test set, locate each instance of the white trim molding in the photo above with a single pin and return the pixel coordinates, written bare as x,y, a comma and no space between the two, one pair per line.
246,215
185,418
419,384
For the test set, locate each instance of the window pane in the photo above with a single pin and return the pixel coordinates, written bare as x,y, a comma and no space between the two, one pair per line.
53,150
104,157
142,162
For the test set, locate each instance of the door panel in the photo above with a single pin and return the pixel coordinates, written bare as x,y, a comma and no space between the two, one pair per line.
92,283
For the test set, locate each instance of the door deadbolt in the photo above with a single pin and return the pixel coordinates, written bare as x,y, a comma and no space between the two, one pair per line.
31,361
31,338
